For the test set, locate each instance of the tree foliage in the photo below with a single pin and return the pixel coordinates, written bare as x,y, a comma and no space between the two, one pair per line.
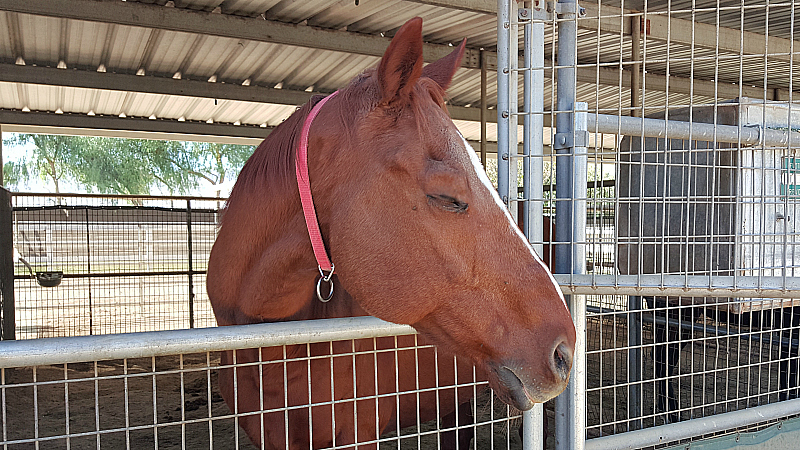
53,156
15,175
125,166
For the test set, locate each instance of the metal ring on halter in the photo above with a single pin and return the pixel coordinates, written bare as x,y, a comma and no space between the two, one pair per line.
328,279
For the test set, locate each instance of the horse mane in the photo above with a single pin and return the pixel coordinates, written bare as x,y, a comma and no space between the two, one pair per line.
272,165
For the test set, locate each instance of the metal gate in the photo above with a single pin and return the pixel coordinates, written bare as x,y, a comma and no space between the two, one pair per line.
660,140
159,389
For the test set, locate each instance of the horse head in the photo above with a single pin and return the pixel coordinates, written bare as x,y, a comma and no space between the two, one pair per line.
419,236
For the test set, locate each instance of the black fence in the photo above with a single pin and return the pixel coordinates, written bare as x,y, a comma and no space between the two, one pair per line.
126,264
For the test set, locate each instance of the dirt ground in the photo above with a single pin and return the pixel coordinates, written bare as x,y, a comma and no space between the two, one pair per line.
151,403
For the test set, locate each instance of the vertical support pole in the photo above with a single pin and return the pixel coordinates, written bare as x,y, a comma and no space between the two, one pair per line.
635,302
484,88
8,324
635,361
89,270
571,404
532,164
507,62
570,230
191,265
636,67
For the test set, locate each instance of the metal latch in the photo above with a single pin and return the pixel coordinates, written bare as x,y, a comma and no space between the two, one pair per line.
563,8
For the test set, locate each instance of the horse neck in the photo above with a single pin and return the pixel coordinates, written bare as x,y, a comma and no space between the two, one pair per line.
264,261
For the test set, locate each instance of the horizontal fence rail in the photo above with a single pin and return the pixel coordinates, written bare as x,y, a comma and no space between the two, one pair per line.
680,285
696,427
174,342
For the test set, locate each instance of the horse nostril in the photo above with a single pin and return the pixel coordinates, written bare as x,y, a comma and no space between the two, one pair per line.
562,360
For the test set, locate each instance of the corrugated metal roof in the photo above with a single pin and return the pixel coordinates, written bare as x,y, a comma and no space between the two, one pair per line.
91,46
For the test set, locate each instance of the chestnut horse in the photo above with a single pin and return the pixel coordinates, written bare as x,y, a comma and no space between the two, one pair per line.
418,236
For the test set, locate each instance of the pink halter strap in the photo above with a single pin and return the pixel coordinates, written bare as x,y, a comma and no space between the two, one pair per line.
304,186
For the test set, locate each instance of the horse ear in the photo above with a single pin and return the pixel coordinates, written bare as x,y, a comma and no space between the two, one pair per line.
442,71
401,65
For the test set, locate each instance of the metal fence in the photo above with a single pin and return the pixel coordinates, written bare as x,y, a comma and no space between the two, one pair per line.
684,279
129,263
158,389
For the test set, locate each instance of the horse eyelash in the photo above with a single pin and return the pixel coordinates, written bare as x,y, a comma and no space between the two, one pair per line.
448,203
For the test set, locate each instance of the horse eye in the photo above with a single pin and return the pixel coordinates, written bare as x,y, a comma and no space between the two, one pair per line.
448,203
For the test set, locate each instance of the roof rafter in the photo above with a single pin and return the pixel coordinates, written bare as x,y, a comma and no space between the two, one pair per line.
86,122
169,86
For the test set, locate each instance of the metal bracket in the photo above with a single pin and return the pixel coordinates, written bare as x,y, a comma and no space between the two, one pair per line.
534,14
569,140
760,131
565,7
472,59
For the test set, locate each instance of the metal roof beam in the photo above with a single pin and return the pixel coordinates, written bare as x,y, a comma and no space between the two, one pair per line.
82,124
169,86
149,84
135,128
261,94
137,14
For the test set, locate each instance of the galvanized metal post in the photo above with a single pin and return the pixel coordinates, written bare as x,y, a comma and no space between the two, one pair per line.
533,17
507,62
570,145
8,324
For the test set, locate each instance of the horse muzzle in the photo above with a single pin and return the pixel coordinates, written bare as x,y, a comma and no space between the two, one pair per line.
518,386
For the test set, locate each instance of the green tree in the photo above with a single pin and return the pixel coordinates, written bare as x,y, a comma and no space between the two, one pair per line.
134,166
54,157
126,166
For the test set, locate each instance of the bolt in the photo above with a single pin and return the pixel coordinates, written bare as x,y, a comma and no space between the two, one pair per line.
504,114
505,156
523,12
562,139
506,25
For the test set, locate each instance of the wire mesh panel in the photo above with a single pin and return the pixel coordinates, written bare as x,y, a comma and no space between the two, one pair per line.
125,261
163,400
669,134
